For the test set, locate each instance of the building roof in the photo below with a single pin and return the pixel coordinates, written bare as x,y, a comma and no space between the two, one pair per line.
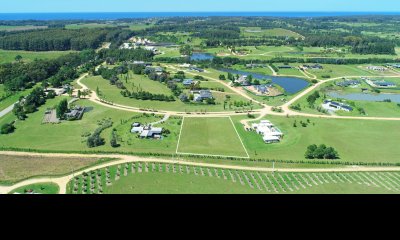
187,81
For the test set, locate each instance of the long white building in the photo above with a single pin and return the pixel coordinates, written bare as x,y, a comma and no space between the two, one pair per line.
270,133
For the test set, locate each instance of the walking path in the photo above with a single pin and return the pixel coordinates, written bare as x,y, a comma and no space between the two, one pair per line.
7,110
63,181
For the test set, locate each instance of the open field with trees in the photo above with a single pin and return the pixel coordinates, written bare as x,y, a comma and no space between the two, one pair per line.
156,178
70,136
8,56
355,140
112,94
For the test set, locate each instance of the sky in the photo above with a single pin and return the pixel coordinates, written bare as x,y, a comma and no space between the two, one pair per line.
17,6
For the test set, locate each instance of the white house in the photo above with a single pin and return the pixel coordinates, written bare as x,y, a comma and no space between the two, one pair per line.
270,133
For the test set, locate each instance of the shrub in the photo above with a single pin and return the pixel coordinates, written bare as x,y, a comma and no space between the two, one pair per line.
7,128
321,152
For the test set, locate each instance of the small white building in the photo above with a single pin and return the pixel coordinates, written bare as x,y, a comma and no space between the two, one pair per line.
377,68
270,133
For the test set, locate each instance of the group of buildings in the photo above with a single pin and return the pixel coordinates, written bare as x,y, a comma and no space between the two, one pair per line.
313,66
147,131
377,68
348,83
268,131
379,83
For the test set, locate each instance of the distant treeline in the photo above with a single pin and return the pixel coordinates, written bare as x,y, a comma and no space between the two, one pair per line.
62,39
19,76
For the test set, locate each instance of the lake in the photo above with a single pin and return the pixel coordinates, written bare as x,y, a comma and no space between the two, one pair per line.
201,56
366,96
291,85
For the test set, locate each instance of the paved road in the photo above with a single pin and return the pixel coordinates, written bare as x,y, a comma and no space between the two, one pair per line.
63,181
7,110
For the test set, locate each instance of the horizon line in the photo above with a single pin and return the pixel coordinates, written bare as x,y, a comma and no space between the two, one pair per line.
397,11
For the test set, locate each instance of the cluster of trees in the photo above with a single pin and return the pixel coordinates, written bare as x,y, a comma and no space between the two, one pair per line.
95,139
321,152
114,139
19,76
360,44
30,103
122,55
54,40
144,95
312,98
186,50
62,108
7,128
111,74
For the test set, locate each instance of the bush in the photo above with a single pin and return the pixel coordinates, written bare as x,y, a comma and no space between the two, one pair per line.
321,152
7,128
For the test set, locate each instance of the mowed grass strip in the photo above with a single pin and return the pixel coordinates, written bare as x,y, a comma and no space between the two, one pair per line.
210,136
17,168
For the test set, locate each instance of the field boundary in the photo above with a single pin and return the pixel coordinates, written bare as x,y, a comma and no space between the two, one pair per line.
241,141
212,155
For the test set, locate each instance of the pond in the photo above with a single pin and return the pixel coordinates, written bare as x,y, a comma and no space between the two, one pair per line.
291,85
366,96
198,56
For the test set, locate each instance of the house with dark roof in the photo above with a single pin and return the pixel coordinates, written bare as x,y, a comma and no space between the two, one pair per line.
187,82
196,69
334,106
348,83
203,95
75,114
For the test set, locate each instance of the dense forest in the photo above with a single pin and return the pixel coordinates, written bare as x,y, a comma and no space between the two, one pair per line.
62,39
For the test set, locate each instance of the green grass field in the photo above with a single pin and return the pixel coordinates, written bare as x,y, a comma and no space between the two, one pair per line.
17,168
155,178
40,188
210,136
8,56
355,140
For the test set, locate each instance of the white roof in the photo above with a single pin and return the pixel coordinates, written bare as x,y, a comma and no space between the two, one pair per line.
137,129
271,138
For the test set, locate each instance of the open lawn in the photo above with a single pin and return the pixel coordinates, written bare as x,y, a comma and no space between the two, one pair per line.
17,168
355,140
8,56
40,188
210,136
